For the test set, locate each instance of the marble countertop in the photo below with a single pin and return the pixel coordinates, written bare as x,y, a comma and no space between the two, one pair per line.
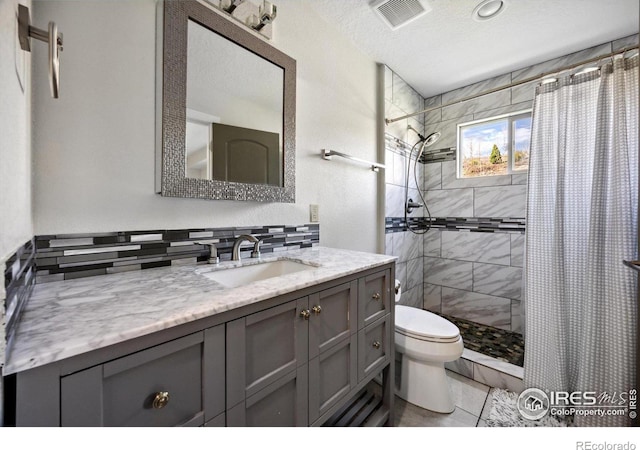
68,318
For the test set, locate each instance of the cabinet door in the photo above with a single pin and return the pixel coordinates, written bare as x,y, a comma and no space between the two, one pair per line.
160,386
331,376
374,347
374,292
283,403
333,316
263,347
218,421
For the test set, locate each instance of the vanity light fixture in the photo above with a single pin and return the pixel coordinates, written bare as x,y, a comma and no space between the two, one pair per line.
230,5
249,14
51,37
488,9
267,12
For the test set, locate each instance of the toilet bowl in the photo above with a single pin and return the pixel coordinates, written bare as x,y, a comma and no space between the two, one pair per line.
426,341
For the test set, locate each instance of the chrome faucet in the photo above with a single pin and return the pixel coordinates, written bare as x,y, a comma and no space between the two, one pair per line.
246,237
213,251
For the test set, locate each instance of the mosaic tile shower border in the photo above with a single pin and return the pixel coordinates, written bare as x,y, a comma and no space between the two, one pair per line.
474,224
68,256
396,145
19,279
430,155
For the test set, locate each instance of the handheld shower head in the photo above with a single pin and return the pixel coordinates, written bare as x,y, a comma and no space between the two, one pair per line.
429,140
422,138
432,138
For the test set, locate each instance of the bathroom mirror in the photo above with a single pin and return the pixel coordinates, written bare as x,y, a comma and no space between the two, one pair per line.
228,110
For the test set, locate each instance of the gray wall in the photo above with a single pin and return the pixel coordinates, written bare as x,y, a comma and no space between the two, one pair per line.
15,149
94,147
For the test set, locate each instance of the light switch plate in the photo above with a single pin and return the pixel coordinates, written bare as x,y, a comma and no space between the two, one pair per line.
314,214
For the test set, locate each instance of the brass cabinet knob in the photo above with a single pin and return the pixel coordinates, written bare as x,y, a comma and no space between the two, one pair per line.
376,344
376,296
160,400
305,314
317,309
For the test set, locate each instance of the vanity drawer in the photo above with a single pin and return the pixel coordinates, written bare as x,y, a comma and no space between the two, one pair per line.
160,386
374,346
373,297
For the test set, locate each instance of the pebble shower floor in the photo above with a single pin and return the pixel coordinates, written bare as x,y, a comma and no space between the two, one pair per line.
500,344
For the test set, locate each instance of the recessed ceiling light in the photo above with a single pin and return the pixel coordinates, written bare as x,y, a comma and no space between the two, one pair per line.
489,9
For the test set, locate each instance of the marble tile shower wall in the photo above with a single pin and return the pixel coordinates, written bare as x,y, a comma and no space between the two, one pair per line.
473,275
402,99
506,101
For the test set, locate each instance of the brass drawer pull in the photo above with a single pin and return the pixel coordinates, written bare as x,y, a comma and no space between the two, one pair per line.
376,296
376,344
317,309
160,400
305,314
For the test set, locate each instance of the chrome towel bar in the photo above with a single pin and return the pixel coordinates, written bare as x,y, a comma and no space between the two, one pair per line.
52,37
327,154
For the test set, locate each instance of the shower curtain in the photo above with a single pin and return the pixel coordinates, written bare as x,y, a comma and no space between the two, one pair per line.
582,221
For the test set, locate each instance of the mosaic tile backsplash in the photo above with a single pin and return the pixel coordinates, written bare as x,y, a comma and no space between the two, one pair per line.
68,256
50,258
19,279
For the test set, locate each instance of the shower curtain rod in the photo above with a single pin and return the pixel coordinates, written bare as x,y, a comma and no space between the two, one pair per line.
517,83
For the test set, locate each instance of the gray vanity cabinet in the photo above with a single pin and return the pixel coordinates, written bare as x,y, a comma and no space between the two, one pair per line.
265,351
299,359
374,322
272,355
374,297
332,346
331,376
171,384
281,404
374,342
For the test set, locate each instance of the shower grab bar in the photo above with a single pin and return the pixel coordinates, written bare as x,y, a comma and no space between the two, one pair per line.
375,167
633,264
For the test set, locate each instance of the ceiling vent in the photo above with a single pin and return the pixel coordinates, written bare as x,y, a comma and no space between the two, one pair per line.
398,13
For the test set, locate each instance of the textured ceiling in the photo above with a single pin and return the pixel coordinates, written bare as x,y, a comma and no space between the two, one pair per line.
446,49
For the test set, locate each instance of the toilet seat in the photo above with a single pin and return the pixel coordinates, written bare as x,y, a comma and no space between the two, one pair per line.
424,325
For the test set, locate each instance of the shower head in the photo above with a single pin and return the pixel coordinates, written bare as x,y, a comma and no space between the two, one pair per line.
429,140
432,138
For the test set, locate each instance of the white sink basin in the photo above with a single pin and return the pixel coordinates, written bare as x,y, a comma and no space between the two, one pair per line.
240,276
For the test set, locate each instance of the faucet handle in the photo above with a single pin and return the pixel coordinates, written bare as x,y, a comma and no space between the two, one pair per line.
256,249
213,251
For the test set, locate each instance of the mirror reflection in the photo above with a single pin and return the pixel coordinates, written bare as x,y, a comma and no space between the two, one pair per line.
234,116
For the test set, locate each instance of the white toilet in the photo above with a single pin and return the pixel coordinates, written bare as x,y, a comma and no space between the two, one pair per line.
426,341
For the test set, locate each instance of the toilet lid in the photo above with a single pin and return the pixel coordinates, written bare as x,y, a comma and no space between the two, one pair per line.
425,325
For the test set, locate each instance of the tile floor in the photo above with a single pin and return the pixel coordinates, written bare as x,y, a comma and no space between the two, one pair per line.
472,399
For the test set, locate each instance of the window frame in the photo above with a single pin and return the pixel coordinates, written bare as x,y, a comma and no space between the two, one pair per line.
512,117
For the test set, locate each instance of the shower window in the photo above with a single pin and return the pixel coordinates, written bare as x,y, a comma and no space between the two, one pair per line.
494,146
